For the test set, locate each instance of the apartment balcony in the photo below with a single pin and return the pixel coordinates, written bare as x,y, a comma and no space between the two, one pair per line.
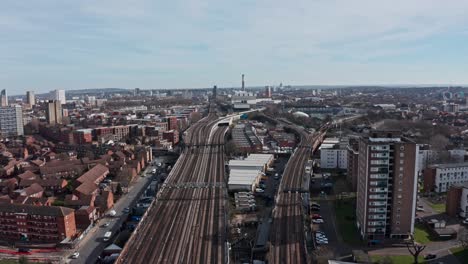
378,190
377,210
377,217
379,176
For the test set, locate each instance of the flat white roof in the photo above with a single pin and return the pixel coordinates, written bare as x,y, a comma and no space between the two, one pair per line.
371,139
246,177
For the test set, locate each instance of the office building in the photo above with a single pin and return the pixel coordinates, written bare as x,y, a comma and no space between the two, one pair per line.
32,223
386,186
58,95
54,112
30,98
439,177
268,91
3,98
215,92
11,121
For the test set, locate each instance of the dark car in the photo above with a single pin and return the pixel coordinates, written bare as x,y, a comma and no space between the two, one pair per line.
430,256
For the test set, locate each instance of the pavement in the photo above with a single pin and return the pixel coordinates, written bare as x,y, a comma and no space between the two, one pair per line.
92,244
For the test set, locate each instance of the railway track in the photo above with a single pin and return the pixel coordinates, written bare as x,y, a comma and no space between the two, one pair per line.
287,236
187,221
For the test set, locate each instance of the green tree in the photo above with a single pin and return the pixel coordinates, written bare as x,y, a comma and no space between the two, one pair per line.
23,260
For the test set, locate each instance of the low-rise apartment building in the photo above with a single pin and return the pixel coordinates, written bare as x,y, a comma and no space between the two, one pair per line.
333,154
52,224
439,177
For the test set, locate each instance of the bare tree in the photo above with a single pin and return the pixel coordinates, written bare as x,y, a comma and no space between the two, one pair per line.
463,236
439,142
415,249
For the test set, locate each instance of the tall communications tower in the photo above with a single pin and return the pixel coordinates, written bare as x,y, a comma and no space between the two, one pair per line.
243,83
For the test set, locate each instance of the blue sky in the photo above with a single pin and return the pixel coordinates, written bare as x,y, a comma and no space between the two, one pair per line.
56,44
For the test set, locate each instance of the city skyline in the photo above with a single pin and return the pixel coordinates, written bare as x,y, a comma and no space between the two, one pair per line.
55,45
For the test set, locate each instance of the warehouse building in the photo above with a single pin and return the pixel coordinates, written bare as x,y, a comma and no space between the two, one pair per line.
245,174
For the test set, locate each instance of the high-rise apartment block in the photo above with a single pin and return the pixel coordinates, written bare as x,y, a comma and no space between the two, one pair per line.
54,112
11,121
3,98
58,95
386,186
30,98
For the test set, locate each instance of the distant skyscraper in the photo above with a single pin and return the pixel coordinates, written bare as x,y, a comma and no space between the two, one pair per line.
11,121
268,91
58,95
243,83
54,112
4,98
136,92
215,92
30,98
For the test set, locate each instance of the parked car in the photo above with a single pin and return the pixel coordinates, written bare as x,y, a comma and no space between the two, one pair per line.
126,210
75,255
106,224
259,190
420,209
317,221
316,216
276,176
430,256
465,222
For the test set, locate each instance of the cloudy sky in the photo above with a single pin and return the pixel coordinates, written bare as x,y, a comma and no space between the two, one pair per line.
52,44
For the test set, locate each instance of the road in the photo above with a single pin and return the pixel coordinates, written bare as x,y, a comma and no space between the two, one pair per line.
92,244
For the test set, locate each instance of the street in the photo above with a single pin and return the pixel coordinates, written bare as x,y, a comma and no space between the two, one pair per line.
92,244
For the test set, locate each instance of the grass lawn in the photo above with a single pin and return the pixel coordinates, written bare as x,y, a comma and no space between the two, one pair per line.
460,253
421,235
405,259
345,221
438,207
